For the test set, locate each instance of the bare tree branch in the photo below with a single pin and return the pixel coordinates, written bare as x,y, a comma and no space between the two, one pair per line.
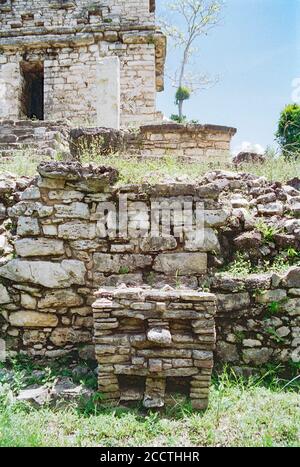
196,18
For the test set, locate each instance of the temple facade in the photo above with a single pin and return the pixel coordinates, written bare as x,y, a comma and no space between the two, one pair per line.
94,63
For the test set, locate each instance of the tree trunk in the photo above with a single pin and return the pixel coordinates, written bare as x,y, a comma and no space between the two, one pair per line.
180,105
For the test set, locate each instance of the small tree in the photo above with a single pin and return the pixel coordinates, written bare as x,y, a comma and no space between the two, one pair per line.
288,133
196,18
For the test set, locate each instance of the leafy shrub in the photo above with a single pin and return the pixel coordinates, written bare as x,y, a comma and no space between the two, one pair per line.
288,133
182,94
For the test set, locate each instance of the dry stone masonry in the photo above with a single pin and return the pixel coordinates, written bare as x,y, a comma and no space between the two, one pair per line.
151,343
58,245
191,142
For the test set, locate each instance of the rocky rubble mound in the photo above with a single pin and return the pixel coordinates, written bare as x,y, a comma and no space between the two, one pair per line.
264,216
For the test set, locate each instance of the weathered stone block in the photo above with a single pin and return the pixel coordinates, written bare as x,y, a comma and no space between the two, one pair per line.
46,273
233,302
4,295
181,263
28,226
75,230
75,210
39,247
60,298
32,319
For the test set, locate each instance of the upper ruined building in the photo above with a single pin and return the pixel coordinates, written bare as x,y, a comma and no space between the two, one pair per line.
95,63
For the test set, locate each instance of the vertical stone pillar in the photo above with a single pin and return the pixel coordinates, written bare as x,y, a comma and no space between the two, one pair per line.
10,90
108,92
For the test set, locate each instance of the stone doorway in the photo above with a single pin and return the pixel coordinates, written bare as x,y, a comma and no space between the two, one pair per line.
32,91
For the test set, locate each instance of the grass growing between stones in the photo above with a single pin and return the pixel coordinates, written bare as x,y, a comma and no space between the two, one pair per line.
256,412
133,170
152,171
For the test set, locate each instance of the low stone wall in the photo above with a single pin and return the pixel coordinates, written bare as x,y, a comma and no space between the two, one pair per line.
36,138
57,140
258,318
191,142
153,343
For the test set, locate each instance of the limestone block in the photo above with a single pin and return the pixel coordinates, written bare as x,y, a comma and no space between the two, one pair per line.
76,210
158,243
32,319
46,273
268,296
60,298
257,356
39,247
74,230
232,302
105,262
30,193
271,209
292,278
182,263
227,352
159,336
62,336
28,226
107,96
50,229
30,208
28,302
4,296
206,240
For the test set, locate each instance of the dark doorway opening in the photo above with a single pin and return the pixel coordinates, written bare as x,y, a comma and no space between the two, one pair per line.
32,98
152,6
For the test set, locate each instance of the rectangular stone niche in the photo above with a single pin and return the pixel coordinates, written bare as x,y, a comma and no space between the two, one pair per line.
151,344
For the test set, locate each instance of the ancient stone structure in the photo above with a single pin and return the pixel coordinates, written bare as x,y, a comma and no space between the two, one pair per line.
58,246
150,342
58,140
62,59
192,142
33,139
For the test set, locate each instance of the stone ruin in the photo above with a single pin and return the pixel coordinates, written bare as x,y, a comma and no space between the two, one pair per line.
55,255
96,66
94,63
152,343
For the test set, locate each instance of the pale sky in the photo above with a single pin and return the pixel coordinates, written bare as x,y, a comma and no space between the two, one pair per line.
255,51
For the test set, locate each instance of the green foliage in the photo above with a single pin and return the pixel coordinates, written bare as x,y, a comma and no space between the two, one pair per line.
274,308
124,270
241,266
239,336
182,94
273,334
267,231
258,411
176,118
288,133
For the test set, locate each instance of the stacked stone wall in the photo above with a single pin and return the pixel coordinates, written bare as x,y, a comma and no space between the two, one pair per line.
209,143
59,246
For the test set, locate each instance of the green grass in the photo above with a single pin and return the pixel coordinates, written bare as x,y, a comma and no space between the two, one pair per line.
137,171
257,412
133,170
21,164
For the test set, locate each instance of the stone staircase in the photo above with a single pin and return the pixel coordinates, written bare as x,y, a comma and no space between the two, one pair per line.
33,138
